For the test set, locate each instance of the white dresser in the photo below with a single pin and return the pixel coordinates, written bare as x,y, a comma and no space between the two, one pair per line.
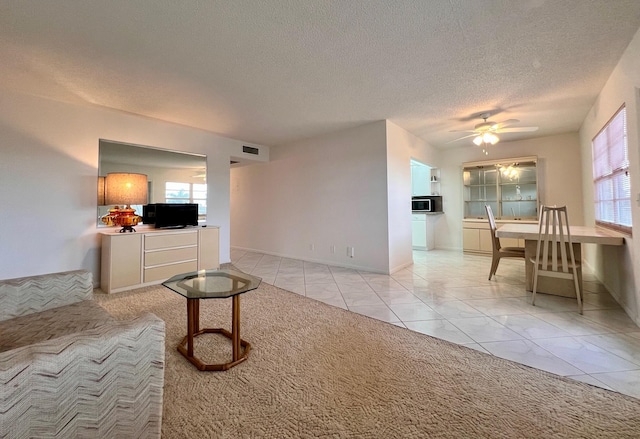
151,256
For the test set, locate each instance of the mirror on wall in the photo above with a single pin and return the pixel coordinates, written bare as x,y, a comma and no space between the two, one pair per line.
172,176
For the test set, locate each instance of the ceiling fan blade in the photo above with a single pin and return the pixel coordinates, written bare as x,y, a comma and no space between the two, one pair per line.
462,131
505,123
516,130
464,137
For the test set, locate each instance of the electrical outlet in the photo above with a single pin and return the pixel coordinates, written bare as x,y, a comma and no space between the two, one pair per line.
332,249
312,247
351,252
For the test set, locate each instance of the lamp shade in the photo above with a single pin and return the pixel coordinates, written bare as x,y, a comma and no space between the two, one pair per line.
101,191
121,188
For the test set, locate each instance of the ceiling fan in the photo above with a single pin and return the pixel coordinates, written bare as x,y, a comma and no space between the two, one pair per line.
486,132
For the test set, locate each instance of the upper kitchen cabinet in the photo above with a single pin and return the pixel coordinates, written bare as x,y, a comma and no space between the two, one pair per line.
509,186
420,179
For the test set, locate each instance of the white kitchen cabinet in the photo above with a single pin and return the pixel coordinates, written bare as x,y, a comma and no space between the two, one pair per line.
148,257
423,228
476,237
470,240
419,229
420,180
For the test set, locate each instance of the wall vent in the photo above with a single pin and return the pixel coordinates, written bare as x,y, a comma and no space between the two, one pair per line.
250,150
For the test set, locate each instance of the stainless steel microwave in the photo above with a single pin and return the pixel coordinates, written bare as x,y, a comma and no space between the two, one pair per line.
427,203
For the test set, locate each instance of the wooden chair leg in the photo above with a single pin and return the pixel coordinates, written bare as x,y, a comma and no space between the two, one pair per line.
494,267
578,292
535,285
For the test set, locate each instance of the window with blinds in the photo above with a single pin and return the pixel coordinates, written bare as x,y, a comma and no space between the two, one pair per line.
612,191
176,192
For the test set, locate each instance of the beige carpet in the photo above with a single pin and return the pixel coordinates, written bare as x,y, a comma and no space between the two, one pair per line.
319,371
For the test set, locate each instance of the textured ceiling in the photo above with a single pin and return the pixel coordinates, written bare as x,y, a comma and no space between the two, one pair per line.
271,72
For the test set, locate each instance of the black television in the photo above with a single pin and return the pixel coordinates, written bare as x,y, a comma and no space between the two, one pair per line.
170,215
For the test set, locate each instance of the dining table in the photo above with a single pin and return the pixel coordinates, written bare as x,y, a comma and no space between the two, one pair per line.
579,235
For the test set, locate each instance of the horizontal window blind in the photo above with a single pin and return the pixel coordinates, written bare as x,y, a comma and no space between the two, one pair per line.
177,192
612,190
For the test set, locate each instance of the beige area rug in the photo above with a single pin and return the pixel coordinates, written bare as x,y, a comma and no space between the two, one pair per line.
319,371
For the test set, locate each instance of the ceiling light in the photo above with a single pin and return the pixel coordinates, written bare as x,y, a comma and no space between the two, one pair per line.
487,138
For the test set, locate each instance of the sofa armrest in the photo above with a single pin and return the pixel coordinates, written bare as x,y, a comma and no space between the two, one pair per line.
104,382
27,295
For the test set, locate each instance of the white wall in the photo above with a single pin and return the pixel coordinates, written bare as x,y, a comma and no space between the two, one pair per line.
324,191
617,267
48,179
348,188
559,174
402,146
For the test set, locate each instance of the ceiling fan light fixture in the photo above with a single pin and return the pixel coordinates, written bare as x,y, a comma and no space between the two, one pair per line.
486,138
485,133
490,138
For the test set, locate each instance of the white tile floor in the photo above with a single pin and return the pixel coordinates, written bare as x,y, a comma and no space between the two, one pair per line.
446,294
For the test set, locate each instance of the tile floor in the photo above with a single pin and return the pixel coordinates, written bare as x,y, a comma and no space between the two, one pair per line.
446,294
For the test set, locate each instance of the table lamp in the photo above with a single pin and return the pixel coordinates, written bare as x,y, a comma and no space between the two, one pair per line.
122,189
101,191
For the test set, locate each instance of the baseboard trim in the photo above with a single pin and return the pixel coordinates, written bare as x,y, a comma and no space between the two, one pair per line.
315,261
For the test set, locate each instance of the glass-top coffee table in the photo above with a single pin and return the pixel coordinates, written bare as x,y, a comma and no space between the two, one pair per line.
213,284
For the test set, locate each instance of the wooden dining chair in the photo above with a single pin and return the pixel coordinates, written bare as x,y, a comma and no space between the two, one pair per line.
552,258
499,252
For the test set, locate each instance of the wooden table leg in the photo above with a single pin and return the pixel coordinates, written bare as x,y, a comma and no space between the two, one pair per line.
193,314
196,316
186,346
235,326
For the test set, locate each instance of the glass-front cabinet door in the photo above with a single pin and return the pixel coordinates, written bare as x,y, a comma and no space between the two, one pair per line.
518,191
509,186
479,189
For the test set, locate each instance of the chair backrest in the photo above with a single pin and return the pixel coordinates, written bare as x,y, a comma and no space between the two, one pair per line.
554,237
495,241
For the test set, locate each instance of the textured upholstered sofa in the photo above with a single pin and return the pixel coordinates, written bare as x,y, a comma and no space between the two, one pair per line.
68,369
